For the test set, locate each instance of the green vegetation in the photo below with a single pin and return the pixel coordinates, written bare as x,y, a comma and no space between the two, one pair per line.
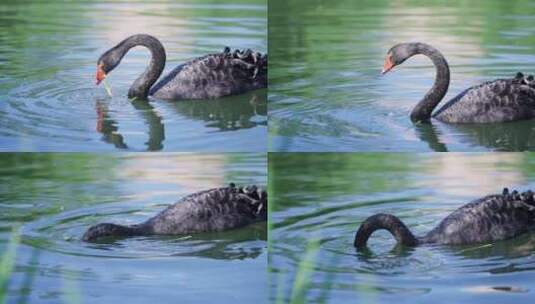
7,263
302,277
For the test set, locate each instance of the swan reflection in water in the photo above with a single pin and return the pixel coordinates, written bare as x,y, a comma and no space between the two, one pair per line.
224,114
229,245
109,129
228,115
510,136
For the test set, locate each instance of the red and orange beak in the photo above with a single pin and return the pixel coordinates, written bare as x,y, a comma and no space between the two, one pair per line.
100,74
388,64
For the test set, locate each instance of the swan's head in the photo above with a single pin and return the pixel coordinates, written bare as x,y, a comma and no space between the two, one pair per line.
97,231
398,54
106,63
105,230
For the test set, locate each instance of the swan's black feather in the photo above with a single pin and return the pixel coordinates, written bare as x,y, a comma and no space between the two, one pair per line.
491,218
500,100
214,75
211,210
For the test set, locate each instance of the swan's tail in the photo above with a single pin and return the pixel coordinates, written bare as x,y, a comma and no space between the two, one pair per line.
255,62
384,221
110,230
521,79
527,197
259,196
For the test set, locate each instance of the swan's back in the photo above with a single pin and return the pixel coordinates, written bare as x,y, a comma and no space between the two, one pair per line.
491,218
214,75
212,210
501,100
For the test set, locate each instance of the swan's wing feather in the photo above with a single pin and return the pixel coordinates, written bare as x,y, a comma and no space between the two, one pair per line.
494,101
491,218
167,81
215,75
215,209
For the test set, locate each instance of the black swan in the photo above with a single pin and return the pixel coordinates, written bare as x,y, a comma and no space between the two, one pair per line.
501,100
211,210
210,76
488,219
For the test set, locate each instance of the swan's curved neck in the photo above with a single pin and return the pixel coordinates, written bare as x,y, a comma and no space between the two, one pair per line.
395,226
140,88
423,110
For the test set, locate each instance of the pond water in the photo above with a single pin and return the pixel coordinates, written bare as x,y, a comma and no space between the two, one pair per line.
326,92
48,97
54,198
319,200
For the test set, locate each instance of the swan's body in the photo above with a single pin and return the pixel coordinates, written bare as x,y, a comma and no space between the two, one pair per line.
211,76
501,100
211,210
491,218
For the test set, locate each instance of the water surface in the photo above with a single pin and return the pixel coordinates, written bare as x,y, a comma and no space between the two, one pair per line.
54,198
48,97
319,200
326,92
